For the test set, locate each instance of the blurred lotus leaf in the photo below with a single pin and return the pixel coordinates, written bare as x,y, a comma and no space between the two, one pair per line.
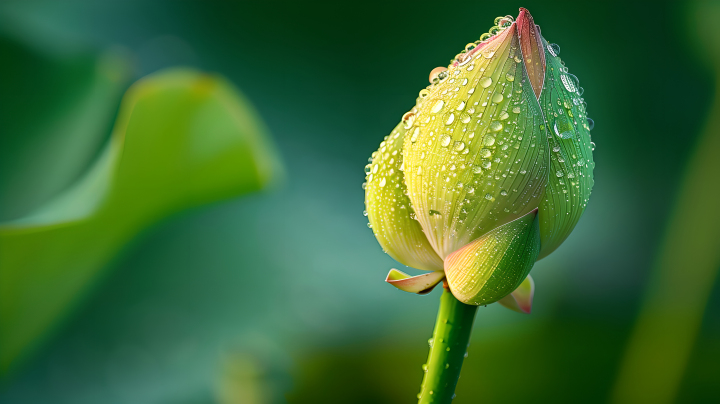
57,111
182,139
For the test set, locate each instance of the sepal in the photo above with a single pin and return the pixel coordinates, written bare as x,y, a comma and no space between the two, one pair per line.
420,284
521,299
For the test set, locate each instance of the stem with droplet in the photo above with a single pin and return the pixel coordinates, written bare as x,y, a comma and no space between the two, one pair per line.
447,350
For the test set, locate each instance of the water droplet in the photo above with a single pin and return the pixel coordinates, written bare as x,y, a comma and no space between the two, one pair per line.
580,91
489,140
509,77
486,165
437,107
592,146
504,115
489,198
556,149
369,226
465,119
484,82
485,153
590,124
368,168
516,110
435,73
461,106
554,49
476,170
382,182
458,145
408,120
570,82
503,192
414,136
496,126
450,119
364,212
445,140
559,173
563,128
497,98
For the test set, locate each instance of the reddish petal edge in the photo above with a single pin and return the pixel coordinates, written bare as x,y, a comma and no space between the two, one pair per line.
532,50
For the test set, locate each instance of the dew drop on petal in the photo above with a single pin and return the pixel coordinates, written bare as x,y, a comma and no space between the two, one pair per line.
445,140
563,128
450,119
590,123
554,49
496,126
414,136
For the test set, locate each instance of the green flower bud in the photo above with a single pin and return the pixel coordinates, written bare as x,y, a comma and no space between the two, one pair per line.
498,135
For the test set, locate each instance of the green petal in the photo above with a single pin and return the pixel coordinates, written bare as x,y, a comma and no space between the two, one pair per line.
476,157
494,265
420,284
520,299
571,160
389,209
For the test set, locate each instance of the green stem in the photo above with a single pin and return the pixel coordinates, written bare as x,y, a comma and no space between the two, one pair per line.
447,350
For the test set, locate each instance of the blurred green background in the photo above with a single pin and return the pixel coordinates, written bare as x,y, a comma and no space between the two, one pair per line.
278,296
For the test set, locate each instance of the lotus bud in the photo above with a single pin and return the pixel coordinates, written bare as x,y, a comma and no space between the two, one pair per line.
488,172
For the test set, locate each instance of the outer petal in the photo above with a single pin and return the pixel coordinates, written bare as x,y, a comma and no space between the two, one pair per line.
389,209
520,299
420,284
494,265
571,160
476,157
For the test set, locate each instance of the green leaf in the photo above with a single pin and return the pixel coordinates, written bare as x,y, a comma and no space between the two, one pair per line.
571,160
57,113
389,209
182,139
495,264
476,157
